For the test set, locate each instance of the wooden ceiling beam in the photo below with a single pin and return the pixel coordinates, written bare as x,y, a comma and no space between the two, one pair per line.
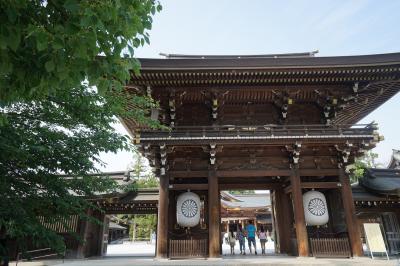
319,172
188,174
252,186
315,185
320,185
188,186
255,173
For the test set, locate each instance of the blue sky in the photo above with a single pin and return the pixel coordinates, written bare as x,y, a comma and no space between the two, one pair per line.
335,28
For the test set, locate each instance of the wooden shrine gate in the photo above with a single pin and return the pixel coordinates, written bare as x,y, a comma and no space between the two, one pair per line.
95,236
279,122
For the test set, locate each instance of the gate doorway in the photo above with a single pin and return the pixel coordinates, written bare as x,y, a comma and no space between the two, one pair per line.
240,211
129,224
131,235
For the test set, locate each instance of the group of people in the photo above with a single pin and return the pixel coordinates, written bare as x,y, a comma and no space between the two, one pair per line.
250,233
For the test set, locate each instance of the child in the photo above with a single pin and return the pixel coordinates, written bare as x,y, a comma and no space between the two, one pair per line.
263,238
232,241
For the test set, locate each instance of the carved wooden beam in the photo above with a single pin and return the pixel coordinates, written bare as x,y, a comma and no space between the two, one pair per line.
282,100
188,186
172,110
316,185
163,158
252,186
213,153
256,173
294,153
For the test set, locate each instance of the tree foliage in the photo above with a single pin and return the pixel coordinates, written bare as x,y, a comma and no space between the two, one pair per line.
148,181
142,177
62,82
142,225
366,161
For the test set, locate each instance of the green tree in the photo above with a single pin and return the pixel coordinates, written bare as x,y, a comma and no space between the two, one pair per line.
360,164
62,83
137,166
143,178
148,181
142,225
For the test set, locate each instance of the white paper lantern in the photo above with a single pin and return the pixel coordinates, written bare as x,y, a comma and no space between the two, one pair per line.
315,208
188,209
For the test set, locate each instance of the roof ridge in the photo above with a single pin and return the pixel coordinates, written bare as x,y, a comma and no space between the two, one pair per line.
279,55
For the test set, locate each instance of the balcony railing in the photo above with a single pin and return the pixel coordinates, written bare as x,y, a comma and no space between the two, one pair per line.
228,132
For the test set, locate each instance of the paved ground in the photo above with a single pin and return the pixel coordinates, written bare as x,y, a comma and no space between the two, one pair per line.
147,250
141,253
236,260
142,249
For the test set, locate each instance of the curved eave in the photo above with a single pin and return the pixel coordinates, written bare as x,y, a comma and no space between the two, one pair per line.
269,63
382,181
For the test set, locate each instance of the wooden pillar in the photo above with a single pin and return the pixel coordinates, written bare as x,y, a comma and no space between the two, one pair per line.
350,214
298,210
283,220
103,238
134,228
162,224
84,232
214,233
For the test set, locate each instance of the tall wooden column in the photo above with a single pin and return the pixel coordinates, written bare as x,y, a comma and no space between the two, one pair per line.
84,232
298,210
162,224
283,221
350,214
214,233
103,236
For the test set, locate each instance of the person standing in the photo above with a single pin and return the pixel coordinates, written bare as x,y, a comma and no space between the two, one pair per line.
263,238
241,237
251,236
153,237
232,241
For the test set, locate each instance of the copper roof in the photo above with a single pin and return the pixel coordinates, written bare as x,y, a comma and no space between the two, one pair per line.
267,62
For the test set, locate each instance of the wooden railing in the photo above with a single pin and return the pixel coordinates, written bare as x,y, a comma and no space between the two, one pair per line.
393,240
259,132
188,248
330,247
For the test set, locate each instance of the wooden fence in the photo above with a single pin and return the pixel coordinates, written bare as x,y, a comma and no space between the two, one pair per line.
61,225
393,240
188,248
330,247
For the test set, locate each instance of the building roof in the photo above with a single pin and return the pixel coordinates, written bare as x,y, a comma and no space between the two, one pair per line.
147,194
384,182
207,62
285,55
246,201
115,226
374,78
361,194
